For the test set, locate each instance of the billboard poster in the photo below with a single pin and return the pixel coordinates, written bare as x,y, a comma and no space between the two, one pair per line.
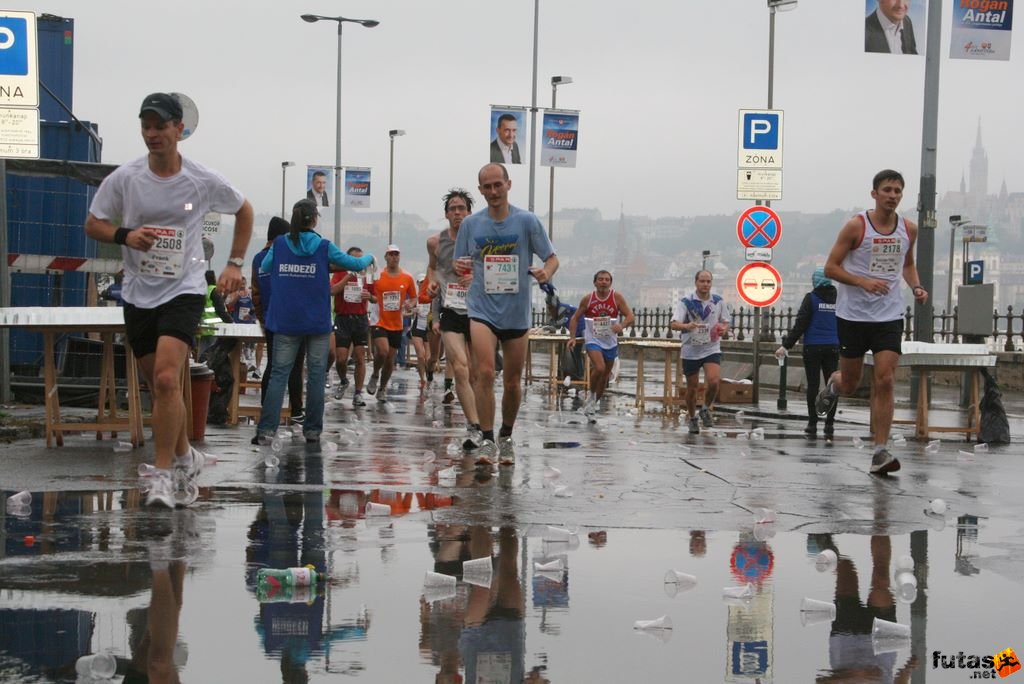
895,27
981,29
508,134
357,187
319,184
561,132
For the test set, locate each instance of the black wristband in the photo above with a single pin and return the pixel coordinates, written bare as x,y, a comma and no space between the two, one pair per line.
121,236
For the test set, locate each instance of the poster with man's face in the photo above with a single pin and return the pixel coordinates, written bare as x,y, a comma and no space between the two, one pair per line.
508,134
319,183
895,27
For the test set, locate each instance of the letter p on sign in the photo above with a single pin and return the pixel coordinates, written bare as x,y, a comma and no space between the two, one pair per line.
13,46
760,131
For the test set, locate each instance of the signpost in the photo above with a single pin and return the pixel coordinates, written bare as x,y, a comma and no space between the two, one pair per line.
19,86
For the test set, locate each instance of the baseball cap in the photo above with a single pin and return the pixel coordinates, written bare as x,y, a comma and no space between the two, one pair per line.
392,248
164,105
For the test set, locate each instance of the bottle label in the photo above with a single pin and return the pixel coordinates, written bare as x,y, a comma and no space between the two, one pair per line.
301,577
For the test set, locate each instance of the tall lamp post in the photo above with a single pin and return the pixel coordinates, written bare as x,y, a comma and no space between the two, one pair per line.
773,7
555,82
393,133
955,222
533,103
368,23
284,168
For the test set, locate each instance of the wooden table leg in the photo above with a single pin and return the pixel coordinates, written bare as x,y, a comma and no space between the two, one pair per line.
667,390
106,405
921,420
640,378
235,359
135,428
51,402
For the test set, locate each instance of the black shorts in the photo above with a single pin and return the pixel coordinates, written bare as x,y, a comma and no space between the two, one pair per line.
504,335
416,332
394,336
856,338
179,317
351,329
454,321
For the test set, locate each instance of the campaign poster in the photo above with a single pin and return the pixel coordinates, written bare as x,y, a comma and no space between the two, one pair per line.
981,29
507,134
561,133
357,187
895,27
319,182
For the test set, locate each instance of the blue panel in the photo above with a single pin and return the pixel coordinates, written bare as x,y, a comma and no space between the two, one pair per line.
56,66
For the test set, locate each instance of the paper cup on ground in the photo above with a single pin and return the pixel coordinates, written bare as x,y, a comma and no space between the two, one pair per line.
764,515
563,492
937,506
664,622
376,510
434,580
813,611
764,531
477,572
980,448
826,560
558,534
677,582
552,473
883,630
744,592
933,446
553,577
550,566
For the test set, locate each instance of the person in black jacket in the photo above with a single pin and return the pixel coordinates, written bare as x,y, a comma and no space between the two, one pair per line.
816,323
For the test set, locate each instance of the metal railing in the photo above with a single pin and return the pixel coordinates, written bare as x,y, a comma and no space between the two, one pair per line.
653,323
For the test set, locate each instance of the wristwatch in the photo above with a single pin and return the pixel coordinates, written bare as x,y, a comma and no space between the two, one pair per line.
237,261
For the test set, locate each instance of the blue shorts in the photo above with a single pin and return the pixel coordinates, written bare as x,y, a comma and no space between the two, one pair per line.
608,354
693,366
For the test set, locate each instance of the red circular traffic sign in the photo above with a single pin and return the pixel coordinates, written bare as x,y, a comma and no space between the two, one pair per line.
759,227
759,284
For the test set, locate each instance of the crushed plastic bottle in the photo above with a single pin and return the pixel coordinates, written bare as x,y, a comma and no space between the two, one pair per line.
96,666
272,461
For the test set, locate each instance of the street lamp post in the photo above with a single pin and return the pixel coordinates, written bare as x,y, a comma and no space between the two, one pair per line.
393,133
533,103
555,82
367,23
284,168
955,222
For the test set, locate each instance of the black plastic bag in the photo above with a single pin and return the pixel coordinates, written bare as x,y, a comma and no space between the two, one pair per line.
993,427
218,359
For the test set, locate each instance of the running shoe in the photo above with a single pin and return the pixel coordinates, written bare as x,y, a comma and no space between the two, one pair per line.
382,393
357,399
812,428
706,419
371,387
826,400
694,425
830,429
186,471
473,439
161,490
298,418
449,397
883,463
430,375
487,452
339,390
506,451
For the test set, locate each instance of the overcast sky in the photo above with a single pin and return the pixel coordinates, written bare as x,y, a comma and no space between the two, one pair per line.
658,85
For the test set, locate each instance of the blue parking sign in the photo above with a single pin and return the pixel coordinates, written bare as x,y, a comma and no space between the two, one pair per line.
13,46
760,131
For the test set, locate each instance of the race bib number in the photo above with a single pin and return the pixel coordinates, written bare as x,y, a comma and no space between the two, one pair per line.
392,301
886,256
166,258
602,326
353,293
501,274
422,312
455,297
701,335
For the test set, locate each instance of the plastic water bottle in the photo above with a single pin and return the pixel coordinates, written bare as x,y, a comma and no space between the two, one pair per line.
269,578
22,498
146,470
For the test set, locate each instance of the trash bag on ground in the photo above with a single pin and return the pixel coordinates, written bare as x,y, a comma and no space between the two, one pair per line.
993,428
218,359
570,362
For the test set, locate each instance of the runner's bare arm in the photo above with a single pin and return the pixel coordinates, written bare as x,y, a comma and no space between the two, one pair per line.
625,311
105,231
910,274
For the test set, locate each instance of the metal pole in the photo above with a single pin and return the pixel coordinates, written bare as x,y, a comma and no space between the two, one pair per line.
551,182
284,167
5,291
949,285
533,102
391,192
924,326
338,179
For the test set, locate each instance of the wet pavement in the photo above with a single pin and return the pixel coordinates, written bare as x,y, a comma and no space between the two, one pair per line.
89,571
